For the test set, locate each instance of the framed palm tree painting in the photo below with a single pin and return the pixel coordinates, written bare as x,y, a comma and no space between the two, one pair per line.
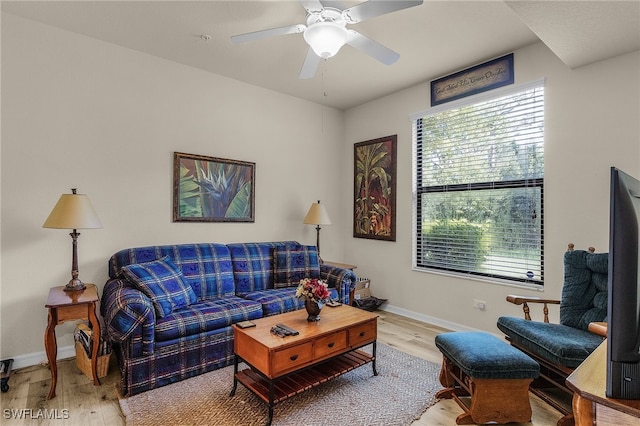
374,198
209,189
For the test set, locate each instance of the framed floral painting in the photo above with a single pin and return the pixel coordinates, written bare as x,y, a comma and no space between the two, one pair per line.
374,209
209,189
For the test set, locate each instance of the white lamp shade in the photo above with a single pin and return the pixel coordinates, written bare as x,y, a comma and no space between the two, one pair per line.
317,215
73,211
325,38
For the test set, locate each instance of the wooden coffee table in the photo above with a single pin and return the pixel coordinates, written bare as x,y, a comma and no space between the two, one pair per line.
281,367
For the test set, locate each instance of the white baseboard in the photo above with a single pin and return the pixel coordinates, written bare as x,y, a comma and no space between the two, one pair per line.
40,358
426,318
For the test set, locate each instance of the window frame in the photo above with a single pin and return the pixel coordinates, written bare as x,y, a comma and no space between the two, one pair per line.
416,175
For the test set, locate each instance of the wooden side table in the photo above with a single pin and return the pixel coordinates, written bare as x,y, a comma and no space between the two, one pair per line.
67,306
591,406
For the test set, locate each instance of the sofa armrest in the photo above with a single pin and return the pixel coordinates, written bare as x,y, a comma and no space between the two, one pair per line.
126,309
525,300
344,280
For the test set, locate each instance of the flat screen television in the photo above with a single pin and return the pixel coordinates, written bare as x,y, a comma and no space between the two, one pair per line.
623,328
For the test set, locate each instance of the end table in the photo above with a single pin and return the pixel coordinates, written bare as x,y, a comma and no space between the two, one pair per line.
67,306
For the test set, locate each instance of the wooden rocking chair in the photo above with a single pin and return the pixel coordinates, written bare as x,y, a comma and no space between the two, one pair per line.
560,348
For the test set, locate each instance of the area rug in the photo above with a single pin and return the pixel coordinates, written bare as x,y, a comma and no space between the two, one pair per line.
403,389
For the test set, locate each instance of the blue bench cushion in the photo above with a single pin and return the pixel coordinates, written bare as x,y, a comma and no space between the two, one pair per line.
557,343
483,356
206,316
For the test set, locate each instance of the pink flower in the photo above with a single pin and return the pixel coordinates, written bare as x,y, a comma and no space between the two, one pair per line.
312,288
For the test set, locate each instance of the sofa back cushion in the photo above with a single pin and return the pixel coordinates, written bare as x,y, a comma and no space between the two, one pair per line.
253,264
206,267
292,265
584,293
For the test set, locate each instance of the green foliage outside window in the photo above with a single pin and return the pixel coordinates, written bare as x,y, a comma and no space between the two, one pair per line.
442,244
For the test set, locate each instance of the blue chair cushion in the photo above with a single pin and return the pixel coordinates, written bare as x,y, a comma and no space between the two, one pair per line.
584,293
483,356
557,343
163,282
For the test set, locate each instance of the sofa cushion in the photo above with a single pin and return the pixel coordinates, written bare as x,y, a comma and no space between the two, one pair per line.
206,316
253,264
280,300
291,265
163,282
276,301
206,266
558,343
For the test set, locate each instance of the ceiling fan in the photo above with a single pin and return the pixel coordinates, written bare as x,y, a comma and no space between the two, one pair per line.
326,30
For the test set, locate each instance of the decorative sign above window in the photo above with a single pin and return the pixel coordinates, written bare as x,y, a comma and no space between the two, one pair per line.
495,73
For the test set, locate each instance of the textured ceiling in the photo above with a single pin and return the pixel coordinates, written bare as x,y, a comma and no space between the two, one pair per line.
434,39
581,33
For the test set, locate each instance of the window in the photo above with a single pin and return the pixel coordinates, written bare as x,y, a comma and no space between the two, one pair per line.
478,186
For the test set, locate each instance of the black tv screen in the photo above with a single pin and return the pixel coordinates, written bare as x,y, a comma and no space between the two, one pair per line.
623,329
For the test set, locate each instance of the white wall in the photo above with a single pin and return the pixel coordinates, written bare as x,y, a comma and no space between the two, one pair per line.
592,123
77,112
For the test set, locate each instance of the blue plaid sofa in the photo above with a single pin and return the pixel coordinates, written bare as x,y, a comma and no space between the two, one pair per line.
168,309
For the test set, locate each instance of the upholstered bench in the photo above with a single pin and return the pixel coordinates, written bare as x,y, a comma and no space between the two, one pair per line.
495,375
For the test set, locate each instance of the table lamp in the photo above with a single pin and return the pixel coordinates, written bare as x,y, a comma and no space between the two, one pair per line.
317,215
73,211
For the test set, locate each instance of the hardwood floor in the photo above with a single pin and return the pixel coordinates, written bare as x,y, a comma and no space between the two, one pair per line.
80,403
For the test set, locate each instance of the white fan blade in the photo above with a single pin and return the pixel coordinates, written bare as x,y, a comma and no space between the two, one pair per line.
373,8
371,48
312,6
293,29
337,4
310,65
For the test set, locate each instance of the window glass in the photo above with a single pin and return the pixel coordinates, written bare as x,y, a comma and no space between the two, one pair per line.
478,186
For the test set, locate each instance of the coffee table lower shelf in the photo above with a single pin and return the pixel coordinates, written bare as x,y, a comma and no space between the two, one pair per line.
299,381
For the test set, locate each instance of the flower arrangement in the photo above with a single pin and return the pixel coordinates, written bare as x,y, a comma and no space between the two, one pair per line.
312,289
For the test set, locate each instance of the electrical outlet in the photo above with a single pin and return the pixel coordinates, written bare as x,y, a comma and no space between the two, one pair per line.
480,304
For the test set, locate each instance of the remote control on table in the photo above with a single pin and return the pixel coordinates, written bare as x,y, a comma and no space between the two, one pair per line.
289,330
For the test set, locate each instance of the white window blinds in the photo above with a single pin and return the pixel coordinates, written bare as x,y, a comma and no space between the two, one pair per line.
478,187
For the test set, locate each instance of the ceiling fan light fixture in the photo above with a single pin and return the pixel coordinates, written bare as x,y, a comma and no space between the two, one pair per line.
325,38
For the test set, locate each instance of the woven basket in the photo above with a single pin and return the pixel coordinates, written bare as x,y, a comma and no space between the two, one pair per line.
84,363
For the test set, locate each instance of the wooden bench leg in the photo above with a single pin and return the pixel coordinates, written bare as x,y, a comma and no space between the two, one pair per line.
500,400
446,373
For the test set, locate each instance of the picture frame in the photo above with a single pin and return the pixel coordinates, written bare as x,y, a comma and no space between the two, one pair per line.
211,189
374,198
480,78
